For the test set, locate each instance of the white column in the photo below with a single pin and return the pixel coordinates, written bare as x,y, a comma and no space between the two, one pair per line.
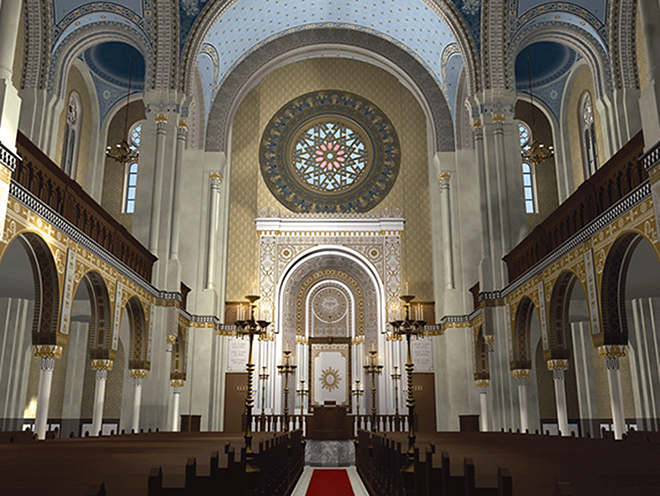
522,375
176,404
156,192
43,397
101,367
214,215
181,139
445,207
138,375
483,385
612,354
558,367
10,102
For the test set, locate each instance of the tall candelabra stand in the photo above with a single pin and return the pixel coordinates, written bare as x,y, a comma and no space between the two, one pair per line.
408,328
287,369
396,377
373,368
302,392
263,377
357,392
250,328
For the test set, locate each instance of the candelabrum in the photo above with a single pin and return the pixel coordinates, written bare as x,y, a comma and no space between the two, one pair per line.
357,392
396,377
263,377
250,328
408,328
287,369
302,392
373,368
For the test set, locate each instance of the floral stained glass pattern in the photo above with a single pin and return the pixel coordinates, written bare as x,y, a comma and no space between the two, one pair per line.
329,156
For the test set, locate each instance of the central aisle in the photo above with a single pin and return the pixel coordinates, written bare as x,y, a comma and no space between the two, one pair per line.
330,482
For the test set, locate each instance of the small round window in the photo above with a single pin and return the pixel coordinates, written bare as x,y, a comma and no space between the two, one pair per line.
329,152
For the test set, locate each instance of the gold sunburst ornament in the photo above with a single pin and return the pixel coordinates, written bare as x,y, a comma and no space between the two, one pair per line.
330,379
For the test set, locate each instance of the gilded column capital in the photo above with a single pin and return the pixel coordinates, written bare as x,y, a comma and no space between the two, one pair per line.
522,374
102,364
138,373
483,383
177,383
47,351
557,364
612,351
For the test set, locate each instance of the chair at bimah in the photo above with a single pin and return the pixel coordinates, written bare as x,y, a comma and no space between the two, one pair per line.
330,422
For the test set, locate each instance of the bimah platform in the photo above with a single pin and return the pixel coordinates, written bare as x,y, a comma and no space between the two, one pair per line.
330,422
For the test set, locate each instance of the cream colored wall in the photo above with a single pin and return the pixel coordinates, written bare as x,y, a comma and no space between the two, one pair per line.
249,193
580,81
642,62
75,82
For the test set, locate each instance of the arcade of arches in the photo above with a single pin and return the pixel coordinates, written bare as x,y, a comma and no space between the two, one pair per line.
329,161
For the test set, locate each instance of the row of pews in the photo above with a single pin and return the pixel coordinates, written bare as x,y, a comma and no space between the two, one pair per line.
150,464
509,464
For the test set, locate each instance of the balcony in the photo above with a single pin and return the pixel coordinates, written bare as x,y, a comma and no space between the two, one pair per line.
611,183
37,173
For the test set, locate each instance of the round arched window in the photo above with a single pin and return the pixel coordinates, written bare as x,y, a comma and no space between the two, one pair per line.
330,152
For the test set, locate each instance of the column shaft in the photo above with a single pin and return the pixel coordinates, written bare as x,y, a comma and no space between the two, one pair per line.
176,408
181,138
156,192
213,229
445,207
522,399
137,402
483,404
10,20
43,397
616,396
99,400
560,398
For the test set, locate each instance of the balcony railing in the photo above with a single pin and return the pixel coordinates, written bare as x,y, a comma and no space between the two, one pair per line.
37,173
612,182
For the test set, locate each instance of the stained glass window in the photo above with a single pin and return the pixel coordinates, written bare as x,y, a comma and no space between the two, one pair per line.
329,156
130,187
525,135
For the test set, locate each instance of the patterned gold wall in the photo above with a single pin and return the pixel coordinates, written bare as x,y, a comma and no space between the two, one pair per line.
249,193
113,177
580,82
75,82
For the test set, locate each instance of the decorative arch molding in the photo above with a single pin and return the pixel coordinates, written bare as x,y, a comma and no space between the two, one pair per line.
100,327
328,263
288,48
92,34
447,11
318,283
559,330
622,22
137,355
521,338
566,34
36,57
46,290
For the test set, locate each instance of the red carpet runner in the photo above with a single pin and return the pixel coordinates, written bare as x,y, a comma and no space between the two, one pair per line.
333,482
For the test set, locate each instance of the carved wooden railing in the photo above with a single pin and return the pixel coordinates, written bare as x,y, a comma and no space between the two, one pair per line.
612,182
37,173
384,423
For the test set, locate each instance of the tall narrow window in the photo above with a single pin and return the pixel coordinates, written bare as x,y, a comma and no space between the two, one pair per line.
529,187
588,135
130,183
72,135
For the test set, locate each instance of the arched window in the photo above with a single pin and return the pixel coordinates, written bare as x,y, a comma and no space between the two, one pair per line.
587,135
72,135
130,181
529,181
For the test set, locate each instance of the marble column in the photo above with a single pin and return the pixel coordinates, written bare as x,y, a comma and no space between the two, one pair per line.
214,217
10,102
558,367
522,376
101,367
650,100
447,242
157,187
138,376
483,385
181,140
47,355
176,404
612,355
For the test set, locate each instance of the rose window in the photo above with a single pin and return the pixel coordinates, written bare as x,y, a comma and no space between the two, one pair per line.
329,156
